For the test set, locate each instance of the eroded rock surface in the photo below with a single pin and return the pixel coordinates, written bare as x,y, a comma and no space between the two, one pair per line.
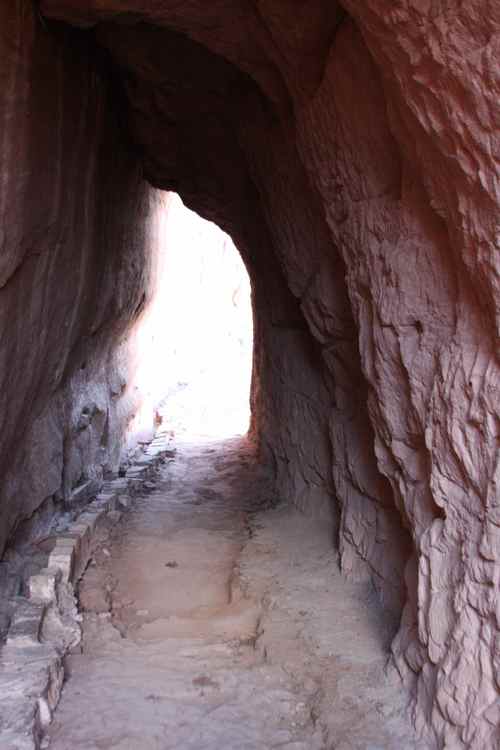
352,153
79,235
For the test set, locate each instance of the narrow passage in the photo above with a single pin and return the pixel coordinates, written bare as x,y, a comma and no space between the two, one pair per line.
213,621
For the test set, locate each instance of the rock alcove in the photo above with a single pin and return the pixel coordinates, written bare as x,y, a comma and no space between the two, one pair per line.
352,153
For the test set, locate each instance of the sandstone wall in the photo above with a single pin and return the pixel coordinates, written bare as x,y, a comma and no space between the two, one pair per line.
352,152
440,85
78,234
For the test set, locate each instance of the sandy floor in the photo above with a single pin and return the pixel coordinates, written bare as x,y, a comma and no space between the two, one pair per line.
209,626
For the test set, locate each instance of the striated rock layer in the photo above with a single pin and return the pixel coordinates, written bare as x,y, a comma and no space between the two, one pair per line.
352,153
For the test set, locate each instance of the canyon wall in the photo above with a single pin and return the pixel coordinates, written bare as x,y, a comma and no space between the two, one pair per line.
79,233
352,153
413,183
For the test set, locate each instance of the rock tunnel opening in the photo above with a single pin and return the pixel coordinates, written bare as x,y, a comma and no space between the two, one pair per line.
347,150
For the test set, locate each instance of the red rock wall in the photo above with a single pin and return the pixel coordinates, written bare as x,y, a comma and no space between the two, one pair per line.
78,229
355,161
441,85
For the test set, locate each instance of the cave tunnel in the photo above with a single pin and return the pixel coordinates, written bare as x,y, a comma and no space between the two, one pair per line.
195,337
351,152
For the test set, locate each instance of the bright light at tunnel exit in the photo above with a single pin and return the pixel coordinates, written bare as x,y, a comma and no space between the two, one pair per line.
205,319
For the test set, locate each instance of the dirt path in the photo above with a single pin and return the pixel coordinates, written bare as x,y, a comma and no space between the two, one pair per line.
207,627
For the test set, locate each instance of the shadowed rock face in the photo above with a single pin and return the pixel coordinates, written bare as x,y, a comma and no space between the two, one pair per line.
352,155
75,266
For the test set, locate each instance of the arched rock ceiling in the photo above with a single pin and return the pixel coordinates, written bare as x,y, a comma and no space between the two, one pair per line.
281,45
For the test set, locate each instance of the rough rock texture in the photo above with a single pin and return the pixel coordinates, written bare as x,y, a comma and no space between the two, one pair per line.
75,266
354,160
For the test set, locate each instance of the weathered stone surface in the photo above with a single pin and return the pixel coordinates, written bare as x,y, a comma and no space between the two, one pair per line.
354,160
42,586
74,265
26,624
46,626
206,640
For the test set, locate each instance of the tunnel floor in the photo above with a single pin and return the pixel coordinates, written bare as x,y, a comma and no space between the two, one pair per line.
213,620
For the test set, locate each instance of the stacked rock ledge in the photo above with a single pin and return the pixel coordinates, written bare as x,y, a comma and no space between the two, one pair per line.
45,623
